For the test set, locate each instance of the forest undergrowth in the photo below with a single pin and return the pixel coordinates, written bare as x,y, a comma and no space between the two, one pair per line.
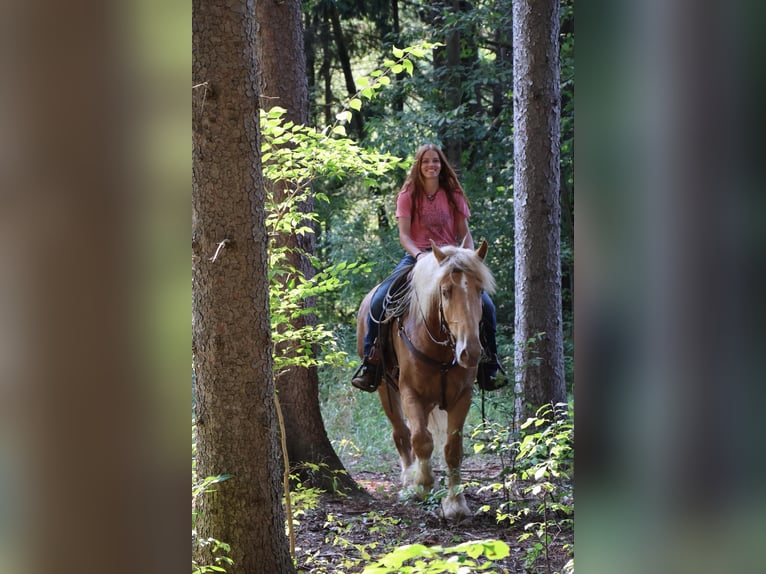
518,483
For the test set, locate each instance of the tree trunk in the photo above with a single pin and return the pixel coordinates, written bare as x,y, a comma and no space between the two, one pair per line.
231,336
539,354
309,37
357,122
282,82
453,140
326,71
503,44
397,103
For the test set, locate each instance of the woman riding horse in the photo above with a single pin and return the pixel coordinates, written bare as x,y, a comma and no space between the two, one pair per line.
431,206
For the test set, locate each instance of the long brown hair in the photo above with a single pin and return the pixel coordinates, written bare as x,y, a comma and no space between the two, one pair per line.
447,178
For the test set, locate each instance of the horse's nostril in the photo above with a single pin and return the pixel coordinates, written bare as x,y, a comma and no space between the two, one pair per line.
468,359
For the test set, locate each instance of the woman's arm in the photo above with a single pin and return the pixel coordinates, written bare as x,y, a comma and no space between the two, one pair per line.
405,239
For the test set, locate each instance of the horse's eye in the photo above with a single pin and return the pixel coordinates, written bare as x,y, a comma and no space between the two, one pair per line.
446,292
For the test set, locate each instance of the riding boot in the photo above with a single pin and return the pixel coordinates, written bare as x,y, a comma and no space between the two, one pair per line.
487,376
369,374
367,377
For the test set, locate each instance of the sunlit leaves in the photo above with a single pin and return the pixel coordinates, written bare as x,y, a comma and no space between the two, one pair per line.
295,156
462,558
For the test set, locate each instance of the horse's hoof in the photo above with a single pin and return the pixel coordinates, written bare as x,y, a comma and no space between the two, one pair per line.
455,509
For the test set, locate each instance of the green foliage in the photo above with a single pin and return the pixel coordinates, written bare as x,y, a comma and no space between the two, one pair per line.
300,154
214,547
536,477
462,558
295,157
342,529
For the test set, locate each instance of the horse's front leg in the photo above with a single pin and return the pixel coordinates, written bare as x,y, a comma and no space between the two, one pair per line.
420,473
392,406
454,505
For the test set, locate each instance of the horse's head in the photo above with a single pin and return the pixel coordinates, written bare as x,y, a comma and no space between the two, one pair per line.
451,283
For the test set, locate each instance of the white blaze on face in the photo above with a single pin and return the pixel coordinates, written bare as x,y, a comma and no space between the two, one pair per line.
467,345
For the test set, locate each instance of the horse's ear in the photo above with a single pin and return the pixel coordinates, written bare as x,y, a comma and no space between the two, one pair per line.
482,250
437,252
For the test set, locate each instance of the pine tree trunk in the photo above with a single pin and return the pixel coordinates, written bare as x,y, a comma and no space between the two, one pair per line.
453,140
357,121
282,82
231,336
326,69
539,359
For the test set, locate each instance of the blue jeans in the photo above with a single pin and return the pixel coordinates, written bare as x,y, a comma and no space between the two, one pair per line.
488,313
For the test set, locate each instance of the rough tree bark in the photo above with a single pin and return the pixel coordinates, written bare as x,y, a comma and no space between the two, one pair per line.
231,337
282,82
539,359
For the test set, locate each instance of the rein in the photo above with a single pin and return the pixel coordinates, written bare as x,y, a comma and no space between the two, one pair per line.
444,366
443,327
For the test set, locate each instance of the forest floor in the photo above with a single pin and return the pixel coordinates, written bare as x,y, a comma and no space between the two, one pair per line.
343,534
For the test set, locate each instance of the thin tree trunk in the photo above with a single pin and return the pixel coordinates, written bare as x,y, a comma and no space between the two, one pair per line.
231,334
454,93
539,353
398,101
326,72
357,122
309,38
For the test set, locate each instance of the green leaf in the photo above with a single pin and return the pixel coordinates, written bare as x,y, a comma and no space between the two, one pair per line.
397,52
496,549
397,68
276,112
344,116
408,66
355,104
340,130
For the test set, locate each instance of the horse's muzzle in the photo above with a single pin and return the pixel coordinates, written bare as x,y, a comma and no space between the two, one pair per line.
468,354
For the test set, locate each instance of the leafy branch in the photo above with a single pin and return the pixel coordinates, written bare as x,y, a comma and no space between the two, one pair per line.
378,79
293,157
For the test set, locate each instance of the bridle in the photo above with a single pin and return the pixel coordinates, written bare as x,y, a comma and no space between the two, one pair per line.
449,342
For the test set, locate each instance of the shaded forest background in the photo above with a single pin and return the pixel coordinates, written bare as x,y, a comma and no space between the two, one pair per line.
381,80
460,99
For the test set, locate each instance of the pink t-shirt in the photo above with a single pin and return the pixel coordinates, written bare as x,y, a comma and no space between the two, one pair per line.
437,218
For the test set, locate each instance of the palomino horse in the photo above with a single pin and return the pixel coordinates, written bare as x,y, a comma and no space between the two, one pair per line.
436,345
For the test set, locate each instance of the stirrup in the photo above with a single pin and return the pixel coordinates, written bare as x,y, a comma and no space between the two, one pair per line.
366,377
489,382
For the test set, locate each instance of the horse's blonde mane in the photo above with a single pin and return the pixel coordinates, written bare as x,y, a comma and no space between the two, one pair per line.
428,274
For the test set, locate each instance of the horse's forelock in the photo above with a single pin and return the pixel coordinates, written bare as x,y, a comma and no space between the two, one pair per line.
429,273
